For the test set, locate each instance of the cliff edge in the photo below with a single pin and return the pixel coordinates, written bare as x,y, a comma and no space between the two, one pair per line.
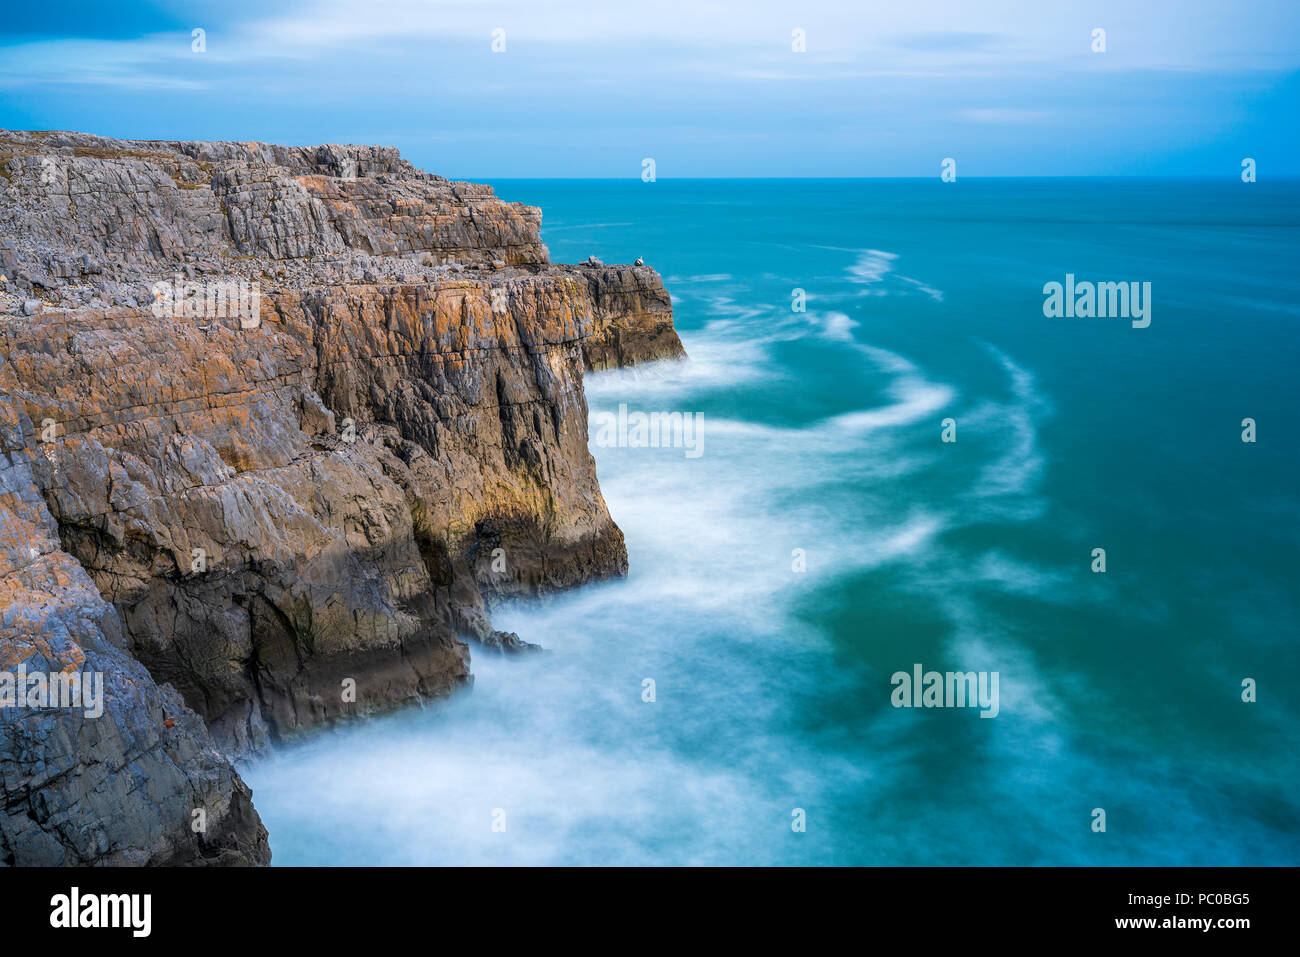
276,425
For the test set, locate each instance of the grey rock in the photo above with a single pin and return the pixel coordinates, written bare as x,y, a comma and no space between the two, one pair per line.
508,643
348,462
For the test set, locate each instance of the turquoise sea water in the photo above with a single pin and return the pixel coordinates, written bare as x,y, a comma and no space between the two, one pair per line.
822,432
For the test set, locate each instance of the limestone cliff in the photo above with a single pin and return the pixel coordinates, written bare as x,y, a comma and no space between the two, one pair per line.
277,424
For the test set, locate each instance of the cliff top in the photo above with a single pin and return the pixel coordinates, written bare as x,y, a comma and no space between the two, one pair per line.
90,221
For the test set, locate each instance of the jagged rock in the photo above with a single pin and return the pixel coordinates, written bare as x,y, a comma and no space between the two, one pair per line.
288,516
508,643
632,318
121,787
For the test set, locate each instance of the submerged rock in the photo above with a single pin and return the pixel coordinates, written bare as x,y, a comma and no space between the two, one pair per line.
507,642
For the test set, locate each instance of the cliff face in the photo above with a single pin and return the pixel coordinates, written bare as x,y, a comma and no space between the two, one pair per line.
287,499
121,787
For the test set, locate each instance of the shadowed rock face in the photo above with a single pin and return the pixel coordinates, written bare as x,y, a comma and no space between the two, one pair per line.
121,787
287,506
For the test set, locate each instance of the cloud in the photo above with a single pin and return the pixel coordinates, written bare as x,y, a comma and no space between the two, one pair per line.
593,87
142,64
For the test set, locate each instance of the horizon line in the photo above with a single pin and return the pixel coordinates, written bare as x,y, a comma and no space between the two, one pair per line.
632,179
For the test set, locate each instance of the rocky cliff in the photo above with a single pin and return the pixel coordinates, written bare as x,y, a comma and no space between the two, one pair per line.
276,426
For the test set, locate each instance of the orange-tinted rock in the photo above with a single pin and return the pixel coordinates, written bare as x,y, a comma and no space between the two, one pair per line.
290,518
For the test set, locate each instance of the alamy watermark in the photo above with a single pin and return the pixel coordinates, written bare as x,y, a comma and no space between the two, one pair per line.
951,689
651,430
55,689
219,299
1100,300
75,909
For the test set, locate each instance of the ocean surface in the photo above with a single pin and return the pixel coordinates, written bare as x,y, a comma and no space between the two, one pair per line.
822,432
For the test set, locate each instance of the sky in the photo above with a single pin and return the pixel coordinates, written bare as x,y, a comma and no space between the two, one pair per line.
591,88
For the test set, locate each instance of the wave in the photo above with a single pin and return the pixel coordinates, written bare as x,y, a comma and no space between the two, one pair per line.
703,277
1019,469
874,266
871,266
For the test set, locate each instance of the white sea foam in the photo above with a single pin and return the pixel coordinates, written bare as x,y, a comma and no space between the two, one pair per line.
871,266
930,291
874,266
714,364
839,326
915,398
703,277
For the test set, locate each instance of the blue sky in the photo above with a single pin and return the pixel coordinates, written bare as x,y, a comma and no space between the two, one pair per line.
1007,87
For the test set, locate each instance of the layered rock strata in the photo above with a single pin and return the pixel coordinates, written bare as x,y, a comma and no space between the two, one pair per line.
278,425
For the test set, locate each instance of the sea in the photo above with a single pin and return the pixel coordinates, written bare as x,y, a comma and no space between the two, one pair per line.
907,462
